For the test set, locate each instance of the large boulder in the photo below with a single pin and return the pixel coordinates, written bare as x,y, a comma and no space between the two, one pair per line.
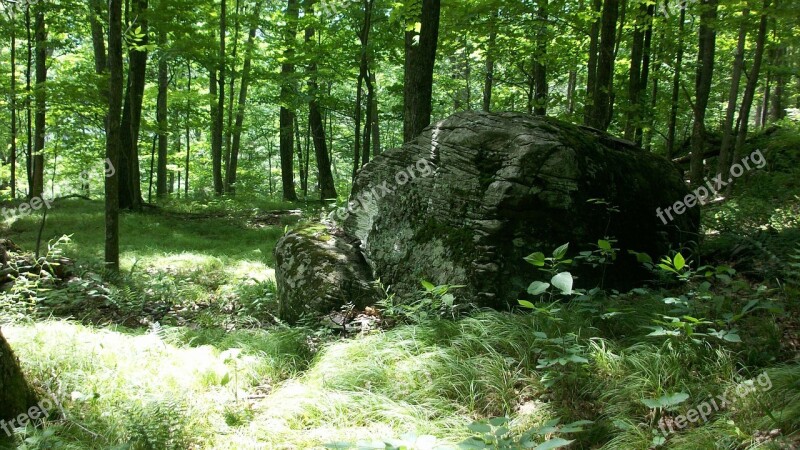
474,194
318,270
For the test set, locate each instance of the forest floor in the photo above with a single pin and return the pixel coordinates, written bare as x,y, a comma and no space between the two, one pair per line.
182,350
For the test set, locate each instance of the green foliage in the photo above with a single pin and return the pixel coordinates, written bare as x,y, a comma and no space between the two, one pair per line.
495,434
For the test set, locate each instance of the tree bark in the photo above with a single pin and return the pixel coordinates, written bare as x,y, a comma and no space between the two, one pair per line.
219,117
16,395
317,126
226,160
676,86
540,67
376,129
161,118
591,76
725,153
113,134
705,72
130,195
750,88
230,181
605,66
13,107
488,82
419,65
188,128
28,108
637,81
96,13
40,96
287,116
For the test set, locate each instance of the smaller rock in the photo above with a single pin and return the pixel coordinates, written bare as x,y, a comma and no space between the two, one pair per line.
319,271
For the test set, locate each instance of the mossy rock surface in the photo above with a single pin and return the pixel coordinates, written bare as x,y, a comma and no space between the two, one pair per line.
319,271
495,187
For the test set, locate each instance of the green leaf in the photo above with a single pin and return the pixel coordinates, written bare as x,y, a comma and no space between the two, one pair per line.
526,304
537,259
225,379
479,427
553,443
560,252
563,281
666,400
604,244
679,262
498,421
428,285
537,287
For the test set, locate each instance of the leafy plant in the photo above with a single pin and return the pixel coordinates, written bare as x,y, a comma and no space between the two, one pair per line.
496,434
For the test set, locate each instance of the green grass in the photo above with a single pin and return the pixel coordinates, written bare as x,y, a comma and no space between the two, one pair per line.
219,373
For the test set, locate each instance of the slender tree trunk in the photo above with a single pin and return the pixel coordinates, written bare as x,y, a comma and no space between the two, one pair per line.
591,76
315,121
113,134
96,13
488,82
725,153
750,88
28,101
676,86
645,75
363,73
13,106
650,113
540,67
161,118
219,117
188,128
376,129
300,158
287,116
637,81
705,72
605,67
41,105
226,160
130,196
230,182
777,107
420,61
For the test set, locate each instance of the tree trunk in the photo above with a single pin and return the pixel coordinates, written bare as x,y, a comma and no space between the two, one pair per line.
637,82
96,14
750,88
161,118
363,73
113,133
591,76
226,160
705,71
376,129
287,116
28,108
488,82
300,159
41,105
230,181
219,117
540,67
324,176
676,86
188,128
419,65
13,106
777,107
725,154
130,194
16,395
605,66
